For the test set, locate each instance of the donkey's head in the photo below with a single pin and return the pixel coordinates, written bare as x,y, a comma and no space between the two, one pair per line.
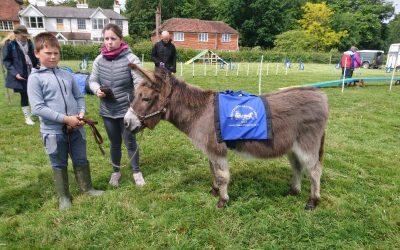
151,99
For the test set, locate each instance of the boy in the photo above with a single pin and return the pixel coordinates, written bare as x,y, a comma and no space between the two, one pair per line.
58,102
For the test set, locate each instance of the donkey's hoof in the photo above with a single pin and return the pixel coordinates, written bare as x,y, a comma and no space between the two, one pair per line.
221,203
292,192
214,192
311,204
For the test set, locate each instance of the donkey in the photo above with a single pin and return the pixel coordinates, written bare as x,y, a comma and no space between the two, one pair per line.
298,116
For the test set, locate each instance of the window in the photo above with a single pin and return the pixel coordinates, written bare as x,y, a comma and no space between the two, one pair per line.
34,22
60,24
119,23
226,38
99,23
81,24
179,36
6,25
203,37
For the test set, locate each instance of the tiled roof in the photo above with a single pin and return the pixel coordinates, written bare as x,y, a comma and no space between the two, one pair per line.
196,25
9,10
74,35
73,12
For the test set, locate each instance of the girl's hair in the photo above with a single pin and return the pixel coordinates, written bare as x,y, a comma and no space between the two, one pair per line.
45,39
114,28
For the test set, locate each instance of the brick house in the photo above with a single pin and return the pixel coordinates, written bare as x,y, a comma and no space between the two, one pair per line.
9,10
200,34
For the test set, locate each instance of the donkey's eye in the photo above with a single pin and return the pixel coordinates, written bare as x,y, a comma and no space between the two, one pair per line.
146,99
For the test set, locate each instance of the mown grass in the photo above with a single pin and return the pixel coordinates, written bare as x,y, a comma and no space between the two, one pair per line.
360,184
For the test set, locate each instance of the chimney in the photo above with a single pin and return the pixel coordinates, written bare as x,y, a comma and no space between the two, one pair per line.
82,4
117,7
158,22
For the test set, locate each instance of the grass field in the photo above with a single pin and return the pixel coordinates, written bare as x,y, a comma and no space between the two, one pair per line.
360,186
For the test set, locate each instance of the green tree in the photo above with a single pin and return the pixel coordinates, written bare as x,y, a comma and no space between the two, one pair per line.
364,20
141,13
315,23
293,40
104,4
64,3
393,31
259,21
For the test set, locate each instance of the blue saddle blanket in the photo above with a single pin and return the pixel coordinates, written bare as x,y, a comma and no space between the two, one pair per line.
241,116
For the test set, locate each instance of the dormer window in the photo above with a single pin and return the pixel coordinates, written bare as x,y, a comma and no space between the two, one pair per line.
99,23
34,22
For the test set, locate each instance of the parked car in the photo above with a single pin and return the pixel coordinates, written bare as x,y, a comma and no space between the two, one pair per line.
393,57
371,58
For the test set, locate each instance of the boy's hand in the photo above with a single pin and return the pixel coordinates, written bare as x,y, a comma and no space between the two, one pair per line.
100,93
73,121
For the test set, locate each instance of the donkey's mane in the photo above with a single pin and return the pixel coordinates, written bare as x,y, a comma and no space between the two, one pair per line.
189,94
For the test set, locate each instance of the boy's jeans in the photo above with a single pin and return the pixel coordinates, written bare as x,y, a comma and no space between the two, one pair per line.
57,147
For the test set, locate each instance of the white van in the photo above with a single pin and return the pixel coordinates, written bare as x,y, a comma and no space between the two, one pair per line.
393,56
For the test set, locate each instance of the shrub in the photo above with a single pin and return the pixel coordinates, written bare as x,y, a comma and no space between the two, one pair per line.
77,52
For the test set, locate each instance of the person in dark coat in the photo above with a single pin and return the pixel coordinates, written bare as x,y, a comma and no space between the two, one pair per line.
164,53
19,59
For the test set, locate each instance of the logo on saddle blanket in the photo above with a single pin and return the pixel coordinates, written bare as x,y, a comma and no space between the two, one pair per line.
241,116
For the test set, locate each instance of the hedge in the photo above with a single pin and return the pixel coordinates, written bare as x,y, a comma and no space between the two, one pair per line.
78,52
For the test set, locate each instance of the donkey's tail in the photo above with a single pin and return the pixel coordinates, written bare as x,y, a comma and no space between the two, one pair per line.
321,149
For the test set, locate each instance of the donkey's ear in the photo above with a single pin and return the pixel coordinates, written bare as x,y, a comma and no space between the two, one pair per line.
142,71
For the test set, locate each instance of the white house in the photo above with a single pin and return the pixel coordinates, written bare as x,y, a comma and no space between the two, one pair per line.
69,24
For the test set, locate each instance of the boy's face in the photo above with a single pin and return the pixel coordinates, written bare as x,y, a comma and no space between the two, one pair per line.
48,56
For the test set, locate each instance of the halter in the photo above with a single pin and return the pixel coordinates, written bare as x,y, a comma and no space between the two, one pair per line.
163,110
142,118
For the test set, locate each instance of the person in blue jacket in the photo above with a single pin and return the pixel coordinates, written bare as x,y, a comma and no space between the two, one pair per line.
19,59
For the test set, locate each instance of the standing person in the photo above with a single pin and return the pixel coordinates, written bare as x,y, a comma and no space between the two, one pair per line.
163,53
350,61
19,59
57,100
113,82
357,61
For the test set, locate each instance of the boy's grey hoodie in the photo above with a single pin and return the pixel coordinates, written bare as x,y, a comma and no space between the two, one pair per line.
53,94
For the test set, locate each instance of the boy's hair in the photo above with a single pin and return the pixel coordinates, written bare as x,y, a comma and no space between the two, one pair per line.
114,28
45,39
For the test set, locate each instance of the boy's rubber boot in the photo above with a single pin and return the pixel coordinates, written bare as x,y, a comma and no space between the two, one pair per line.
84,180
60,176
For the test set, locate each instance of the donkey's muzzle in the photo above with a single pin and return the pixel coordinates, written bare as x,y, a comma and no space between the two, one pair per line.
132,122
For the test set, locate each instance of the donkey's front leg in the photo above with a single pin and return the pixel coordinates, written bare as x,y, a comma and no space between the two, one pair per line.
214,188
221,179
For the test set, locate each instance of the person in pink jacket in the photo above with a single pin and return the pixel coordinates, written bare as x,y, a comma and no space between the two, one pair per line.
356,62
